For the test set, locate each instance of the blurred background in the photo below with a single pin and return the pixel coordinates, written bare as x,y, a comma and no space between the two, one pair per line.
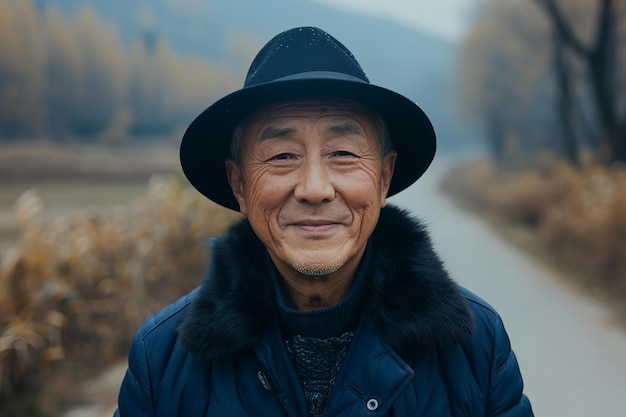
98,228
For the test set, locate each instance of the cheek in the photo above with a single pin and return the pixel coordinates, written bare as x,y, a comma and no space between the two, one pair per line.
265,196
265,192
362,190
363,196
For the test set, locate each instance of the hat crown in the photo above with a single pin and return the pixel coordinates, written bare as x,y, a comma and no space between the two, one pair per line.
302,50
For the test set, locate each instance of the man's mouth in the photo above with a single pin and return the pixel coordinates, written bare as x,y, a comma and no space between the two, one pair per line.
315,225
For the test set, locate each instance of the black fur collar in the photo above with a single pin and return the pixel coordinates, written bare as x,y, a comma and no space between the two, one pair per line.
411,298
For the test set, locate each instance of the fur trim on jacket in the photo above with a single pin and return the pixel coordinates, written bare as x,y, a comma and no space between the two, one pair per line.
411,299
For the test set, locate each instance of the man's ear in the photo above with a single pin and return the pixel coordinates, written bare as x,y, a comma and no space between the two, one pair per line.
235,179
389,163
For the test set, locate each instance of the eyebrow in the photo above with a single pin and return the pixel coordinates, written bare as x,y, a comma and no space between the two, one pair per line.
272,132
346,127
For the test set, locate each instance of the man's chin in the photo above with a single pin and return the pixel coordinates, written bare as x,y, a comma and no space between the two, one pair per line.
317,269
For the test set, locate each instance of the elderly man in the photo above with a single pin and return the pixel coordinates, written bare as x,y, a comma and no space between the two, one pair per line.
324,301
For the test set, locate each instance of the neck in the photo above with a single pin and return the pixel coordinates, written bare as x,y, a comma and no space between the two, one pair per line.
312,293
309,292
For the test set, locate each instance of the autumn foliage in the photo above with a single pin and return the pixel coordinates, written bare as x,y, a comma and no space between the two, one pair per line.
577,214
73,77
79,287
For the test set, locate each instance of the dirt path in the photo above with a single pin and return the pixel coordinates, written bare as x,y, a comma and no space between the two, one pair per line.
100,394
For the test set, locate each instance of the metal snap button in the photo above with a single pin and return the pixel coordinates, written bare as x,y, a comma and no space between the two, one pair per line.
372,404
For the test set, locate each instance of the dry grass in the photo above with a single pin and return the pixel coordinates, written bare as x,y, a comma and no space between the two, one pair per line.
77,287
577,215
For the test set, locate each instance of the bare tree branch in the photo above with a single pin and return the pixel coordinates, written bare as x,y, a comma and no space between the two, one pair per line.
563,28
605,24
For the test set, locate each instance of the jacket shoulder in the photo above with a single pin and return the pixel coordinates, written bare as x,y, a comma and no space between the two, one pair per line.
156,341
478,305
164,322
491,347
157,365
490,333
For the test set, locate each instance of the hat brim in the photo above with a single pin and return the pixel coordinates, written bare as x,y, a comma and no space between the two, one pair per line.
206,143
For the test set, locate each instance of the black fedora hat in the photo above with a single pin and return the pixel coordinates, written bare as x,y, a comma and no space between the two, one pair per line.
302,62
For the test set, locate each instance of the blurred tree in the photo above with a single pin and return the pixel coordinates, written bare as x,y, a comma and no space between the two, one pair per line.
167,90
504,75
75,78
64,73
102,83
549,75
86,77
22,77
566,101
601,57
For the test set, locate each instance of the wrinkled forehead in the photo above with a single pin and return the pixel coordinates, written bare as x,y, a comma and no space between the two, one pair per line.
312,107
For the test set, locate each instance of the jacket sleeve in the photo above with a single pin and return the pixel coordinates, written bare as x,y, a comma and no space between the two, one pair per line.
505,397
135,397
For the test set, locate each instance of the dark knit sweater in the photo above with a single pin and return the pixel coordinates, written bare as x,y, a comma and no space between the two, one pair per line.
317,363
317,340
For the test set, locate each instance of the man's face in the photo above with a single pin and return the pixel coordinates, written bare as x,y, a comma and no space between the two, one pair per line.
312,180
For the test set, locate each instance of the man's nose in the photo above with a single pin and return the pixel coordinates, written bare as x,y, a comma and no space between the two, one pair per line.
315,184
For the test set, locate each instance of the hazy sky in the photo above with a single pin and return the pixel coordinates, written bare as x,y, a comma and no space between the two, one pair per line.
444,18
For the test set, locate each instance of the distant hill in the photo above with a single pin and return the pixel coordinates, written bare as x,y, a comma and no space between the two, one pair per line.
413,63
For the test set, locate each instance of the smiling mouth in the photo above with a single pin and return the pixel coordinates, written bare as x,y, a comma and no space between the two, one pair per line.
316,226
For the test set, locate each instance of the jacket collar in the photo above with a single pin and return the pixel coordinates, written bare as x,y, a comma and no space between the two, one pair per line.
411,300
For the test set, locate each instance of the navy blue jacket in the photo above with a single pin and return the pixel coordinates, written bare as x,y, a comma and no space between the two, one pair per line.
424,347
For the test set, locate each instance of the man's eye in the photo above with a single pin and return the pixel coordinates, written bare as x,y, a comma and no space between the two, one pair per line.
283,157
343,154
